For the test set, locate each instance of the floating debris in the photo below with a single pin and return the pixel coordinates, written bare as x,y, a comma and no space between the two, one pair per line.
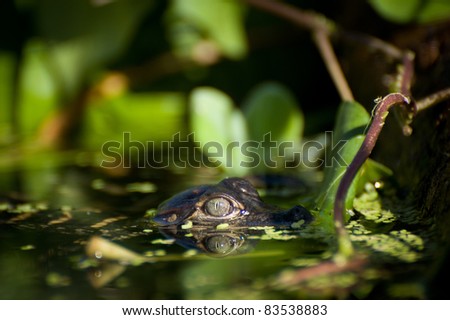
187,225
55,279
142,187
27,247
222,226
163,241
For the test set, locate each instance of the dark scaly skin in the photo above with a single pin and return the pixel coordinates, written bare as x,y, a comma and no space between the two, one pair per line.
242,206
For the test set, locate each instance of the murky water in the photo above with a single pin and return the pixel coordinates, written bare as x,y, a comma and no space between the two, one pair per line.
85,235
43,248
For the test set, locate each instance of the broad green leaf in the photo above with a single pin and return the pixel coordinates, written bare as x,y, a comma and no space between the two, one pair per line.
403,11
85,37
145,117
219,128
222,21
271,109
434,10
400,11
38,91
7,65
350,125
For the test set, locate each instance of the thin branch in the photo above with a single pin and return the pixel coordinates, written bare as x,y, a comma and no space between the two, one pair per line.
329,57
321,28
372,42
306,19
406,112
433,99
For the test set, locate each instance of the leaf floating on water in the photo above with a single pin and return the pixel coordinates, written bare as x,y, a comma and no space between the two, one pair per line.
298,224
187,225
66,216
150,213
190,253
54,279
163,241
142,187
27,247
222,226
369,205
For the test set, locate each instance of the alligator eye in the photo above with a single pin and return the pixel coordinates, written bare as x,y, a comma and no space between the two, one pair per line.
220,244
218,207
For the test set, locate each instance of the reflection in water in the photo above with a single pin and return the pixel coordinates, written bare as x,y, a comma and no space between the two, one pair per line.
216,243
112,259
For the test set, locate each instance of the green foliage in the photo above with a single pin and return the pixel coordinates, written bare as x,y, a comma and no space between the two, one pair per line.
146,116
39,93
270,108
7,65
217,123
350,124
404,11
219,21
90,38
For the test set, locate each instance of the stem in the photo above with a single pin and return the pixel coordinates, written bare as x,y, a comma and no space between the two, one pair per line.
321,29
329,57
305,19
406,112
433,99
381,112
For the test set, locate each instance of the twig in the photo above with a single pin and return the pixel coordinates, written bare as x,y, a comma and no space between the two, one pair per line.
433,99
321,29
306,19
326,50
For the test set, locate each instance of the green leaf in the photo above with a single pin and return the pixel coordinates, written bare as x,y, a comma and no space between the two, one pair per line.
85,37
153,117
222,21
404,11
350,125
400,11
219,128
7,65
38,90
272,109
434,10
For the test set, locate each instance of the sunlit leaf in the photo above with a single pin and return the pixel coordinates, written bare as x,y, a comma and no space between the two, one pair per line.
221,21
434,10
403,11
271,109
350,124
7,65
151,117
396,10
218,126
38,91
